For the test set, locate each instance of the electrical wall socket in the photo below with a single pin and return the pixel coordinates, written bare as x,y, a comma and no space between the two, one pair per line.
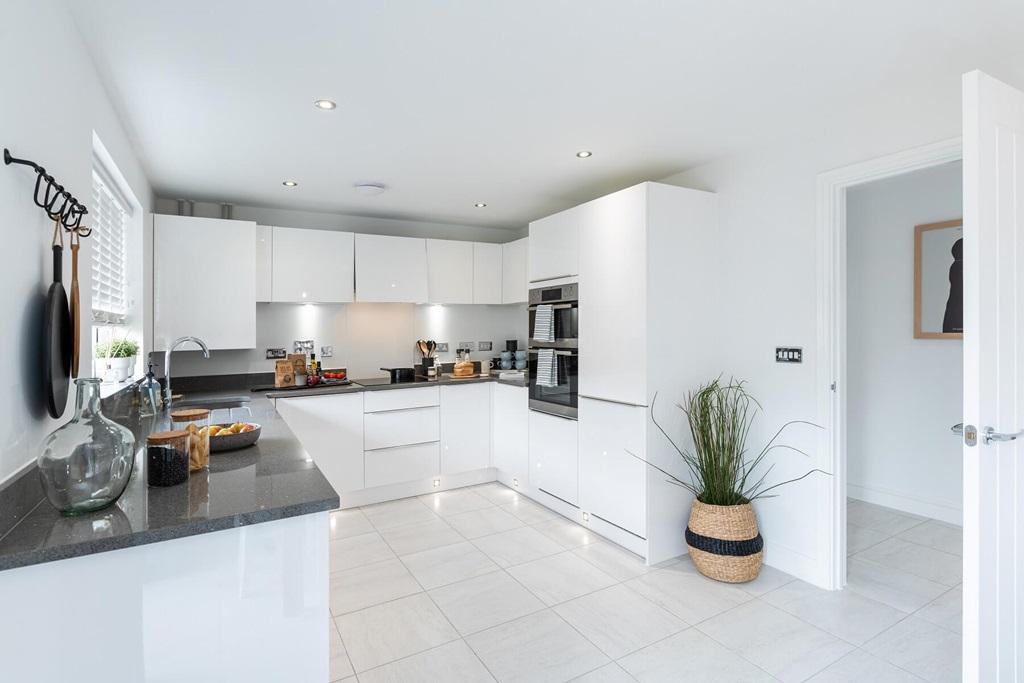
442,347
326,351
277,353
467,345
484,346
303,346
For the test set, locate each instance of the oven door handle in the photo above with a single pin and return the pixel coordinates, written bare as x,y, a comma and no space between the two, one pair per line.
556,307
558,352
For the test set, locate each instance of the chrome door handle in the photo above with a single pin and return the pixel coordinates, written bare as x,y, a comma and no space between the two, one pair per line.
992,436
958,428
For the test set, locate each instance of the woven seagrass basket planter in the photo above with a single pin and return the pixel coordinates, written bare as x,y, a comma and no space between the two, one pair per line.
724,542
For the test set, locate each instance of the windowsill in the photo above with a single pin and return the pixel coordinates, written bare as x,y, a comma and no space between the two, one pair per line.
108,389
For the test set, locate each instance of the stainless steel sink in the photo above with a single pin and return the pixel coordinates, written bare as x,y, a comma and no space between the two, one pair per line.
215,403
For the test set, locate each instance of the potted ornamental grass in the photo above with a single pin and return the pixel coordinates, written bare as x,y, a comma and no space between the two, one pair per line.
722,533
118,359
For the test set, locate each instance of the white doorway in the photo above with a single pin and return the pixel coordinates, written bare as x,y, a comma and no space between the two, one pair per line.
833,191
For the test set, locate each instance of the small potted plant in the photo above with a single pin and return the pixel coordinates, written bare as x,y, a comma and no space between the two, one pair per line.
722,534
118,359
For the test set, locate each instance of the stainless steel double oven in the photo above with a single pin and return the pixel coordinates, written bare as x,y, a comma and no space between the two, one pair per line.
556,390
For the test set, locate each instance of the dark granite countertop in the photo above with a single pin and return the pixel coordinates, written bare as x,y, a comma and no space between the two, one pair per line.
272,480
383,384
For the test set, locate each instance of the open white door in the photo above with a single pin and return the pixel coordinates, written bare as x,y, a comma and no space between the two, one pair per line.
993,582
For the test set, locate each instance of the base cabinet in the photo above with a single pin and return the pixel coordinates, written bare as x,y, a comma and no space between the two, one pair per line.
465,428
401,464
509,433
331,430
612,481
554,456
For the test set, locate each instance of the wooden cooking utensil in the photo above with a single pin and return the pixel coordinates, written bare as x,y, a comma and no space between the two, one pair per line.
75,305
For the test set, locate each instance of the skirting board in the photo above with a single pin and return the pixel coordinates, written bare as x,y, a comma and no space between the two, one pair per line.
381,494
904,503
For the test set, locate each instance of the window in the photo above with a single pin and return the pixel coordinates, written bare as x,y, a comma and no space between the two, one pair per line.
111,213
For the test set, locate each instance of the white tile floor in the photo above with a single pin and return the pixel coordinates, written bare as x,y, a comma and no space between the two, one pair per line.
480,584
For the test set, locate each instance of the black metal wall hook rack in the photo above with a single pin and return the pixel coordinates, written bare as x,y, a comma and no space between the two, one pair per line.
51,197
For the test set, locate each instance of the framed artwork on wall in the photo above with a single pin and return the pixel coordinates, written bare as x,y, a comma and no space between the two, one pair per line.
939,280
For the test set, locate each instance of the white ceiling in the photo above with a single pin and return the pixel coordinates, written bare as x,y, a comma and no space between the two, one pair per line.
450,103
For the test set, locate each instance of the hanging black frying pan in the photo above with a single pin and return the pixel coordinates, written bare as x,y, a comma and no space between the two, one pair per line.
57,342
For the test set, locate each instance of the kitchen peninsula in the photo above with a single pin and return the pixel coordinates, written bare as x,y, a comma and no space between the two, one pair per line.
190,582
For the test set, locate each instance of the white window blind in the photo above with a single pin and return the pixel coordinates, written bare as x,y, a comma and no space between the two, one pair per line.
109,242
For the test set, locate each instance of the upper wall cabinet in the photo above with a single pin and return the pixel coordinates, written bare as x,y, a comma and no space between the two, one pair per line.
514,287
486,273
449,272
554,246
391,269
298,277
204,281
264,263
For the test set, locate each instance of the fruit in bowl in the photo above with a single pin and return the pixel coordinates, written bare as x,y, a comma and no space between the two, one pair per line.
228,437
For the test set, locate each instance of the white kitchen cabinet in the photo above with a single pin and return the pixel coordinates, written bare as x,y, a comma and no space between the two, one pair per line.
554,456
330,428
391,269
613,482
204,281
264,263
401,399
509,433
613,286
554,246
449,272
313,266
465,427
401,464
486,273
514,275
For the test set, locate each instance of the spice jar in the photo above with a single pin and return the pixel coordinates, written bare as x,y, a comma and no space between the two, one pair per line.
167,458
197,422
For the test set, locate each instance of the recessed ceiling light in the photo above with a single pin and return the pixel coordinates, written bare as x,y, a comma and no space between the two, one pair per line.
325,104
583,153
289,183
479,205
370,189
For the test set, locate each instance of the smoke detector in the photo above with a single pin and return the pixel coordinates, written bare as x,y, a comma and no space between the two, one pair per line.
370,189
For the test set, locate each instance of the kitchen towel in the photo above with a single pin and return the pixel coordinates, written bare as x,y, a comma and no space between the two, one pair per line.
547,368
544,324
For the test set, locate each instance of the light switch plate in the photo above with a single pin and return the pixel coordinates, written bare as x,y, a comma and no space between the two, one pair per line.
789,354
484,346
326,351
442,347
277,353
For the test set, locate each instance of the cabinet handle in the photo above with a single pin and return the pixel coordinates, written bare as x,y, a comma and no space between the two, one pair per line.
611,400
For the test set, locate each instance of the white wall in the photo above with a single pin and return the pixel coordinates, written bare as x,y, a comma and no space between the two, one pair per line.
337,221
903,393
52,102
366,337
768,285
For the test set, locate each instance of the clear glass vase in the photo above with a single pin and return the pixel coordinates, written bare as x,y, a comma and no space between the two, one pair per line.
85,465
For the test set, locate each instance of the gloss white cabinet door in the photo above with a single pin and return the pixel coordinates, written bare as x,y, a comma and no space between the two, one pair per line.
613,482
554,246
264,263
204,281
613,286
391,269
554,456
509,433
465,427
449,272
486,273
330,428
514,275
313,266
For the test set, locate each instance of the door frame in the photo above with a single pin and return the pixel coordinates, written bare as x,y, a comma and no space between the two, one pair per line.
831,369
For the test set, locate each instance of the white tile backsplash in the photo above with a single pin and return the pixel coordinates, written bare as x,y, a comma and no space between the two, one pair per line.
365,336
